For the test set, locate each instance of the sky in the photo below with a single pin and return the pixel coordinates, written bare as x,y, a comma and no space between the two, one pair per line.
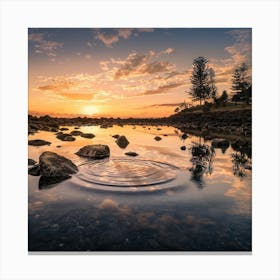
125,72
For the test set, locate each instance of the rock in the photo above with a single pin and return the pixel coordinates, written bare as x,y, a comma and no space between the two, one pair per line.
76,127
183,148
208,137
94,151
76,132
34,171
219,143
88,135
157,138
54,165
122,142
65,137
116,136
38,142
165,135
58,146
131,154
63,129
31,161
184,136
159,128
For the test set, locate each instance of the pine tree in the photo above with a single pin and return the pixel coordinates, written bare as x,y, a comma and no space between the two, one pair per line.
200,89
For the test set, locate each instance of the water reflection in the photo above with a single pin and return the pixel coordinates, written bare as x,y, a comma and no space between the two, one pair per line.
73,216
202,161
241,162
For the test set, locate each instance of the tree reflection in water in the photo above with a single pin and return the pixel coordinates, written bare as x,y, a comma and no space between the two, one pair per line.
241,162
202,162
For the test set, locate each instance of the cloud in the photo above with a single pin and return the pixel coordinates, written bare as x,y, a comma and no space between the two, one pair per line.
41,45
136,64
163,105
59,85
163,88
109,37
168,51
76,96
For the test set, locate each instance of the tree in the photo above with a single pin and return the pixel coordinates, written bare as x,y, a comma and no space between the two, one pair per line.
213,88
223,98
200,89
241,84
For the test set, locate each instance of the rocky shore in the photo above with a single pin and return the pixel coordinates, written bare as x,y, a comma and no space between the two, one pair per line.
233,123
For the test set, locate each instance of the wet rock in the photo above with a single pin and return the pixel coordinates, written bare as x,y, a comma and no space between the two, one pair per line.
122,142
116,136
157,138
87,135
94,151
54,165
131,154
183,148
34,171
63,129
184,136
76,133
38,142
31,161
220,143
65,137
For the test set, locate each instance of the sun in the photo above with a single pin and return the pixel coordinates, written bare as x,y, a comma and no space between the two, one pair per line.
89,110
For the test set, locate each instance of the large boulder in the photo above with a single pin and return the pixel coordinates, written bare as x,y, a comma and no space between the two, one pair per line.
94,151
38,142
220,143
54,165
122,142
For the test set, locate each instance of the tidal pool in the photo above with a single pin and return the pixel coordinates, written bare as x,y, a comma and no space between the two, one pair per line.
151,202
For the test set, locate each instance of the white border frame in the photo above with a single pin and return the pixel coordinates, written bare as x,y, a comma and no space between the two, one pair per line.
17,16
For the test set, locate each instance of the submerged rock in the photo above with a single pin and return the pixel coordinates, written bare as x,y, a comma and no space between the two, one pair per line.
157,138
38,142
34,171
131,154
76,132
31,161
122,142
65,137
219,143
54,165
87,135
94,151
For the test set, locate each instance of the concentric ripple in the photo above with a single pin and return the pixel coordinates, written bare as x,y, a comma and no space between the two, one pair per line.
121,174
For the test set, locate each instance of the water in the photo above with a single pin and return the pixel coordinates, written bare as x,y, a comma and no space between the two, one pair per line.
151,202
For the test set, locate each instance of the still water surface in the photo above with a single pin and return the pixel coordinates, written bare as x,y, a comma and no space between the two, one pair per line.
150,202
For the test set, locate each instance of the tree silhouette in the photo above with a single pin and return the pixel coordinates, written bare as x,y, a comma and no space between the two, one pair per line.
213,88
200,89
241,87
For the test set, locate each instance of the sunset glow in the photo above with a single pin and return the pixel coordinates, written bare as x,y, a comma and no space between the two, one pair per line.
127,72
